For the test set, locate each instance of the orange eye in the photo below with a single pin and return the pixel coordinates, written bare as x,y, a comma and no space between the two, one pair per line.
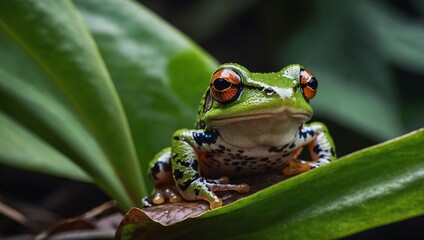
308,84
225,85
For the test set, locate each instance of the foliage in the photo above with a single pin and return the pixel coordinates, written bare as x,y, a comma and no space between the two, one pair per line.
65,103
369,188
90,90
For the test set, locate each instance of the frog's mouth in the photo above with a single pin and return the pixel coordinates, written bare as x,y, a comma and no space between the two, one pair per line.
260,128
286,114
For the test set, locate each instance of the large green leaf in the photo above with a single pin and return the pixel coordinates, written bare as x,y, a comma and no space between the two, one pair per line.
65,96
369,188
20,148
160,75
39,111
52,35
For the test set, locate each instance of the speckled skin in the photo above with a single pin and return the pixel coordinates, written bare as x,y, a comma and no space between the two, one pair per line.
261,130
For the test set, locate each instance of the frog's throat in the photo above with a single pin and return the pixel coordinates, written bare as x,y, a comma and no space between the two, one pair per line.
260,130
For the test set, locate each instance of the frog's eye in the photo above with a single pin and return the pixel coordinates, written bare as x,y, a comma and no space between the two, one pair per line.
225,85
308,84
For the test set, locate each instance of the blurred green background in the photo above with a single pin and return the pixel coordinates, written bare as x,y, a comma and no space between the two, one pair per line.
368,56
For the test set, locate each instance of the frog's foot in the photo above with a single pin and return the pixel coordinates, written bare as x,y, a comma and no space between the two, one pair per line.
160,194
295,167
205,189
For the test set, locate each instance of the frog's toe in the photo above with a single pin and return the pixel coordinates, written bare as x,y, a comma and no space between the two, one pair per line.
160,194
223,184
242,188
212,199
217,185
172,196
205,189
158,197
295,167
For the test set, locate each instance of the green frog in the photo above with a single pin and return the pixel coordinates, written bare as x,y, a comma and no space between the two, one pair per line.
247,124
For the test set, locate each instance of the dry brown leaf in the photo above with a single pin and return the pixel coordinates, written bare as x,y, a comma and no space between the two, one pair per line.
91,220
168,214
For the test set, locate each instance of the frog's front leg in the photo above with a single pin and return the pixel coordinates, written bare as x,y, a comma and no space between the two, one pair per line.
161,175
186,153
321,149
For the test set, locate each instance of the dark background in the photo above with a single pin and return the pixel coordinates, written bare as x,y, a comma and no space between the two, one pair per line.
256,34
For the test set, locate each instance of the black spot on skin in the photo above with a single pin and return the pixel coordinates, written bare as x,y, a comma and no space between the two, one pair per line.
240,151
221,147
183,163
178,174
206,137
250,158
195,165
304,134
244,163
235,163
238,169
226,163
286,154
227,160
174,155
187,183
292,145
155,170
275,149
316,149
333,153
176,138
197,191
219,150
264,159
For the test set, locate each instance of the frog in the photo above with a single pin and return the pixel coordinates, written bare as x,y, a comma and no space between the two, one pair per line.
247,124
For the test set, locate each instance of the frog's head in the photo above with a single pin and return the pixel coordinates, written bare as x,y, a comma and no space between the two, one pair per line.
259,109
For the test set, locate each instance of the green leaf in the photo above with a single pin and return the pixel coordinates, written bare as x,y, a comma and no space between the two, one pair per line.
20,148
53,122
160,75
366,189
54,36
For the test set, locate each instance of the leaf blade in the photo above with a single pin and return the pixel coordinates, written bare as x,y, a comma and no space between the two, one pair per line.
369,188
158,72
20,148
54,35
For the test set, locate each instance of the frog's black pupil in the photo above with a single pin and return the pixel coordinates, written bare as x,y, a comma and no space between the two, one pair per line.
313,83
221,84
